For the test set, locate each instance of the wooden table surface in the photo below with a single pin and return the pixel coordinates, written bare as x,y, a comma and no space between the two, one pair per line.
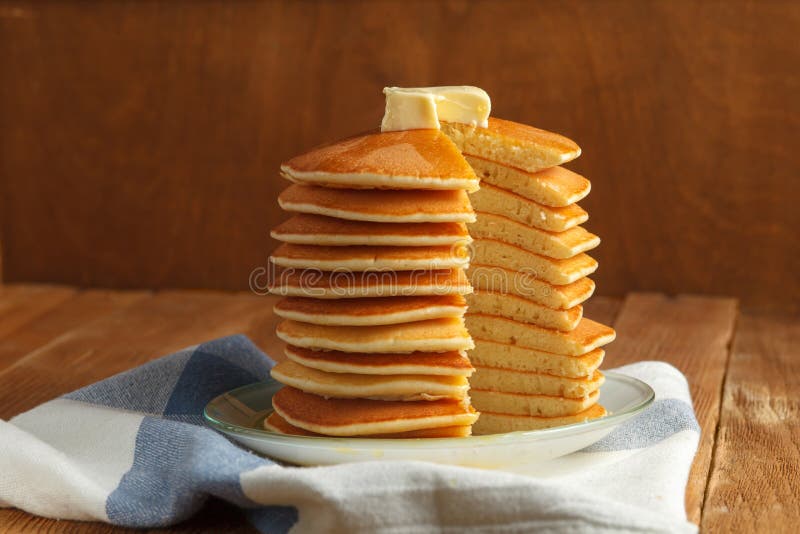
743,368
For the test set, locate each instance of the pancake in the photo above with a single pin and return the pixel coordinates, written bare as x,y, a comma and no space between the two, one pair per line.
366,312
336,285
359,417
524,310
507,356
370,258
451,363
557,272
556,187
559,245
491,199
276,423
586,337
307,229
434,335
413,159
497,423
511,381
356,386
524,284
535,405
513,144
378,205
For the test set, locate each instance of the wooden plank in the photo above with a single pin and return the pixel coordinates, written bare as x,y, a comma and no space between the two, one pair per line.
85,307
602,309
225,91
755,478
693,334
145,330
22,303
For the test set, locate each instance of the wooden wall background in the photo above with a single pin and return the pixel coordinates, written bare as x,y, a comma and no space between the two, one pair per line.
140,141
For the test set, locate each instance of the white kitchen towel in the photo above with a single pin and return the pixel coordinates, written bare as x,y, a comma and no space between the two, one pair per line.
132,450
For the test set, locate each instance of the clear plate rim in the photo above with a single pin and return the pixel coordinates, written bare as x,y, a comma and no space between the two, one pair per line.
467,441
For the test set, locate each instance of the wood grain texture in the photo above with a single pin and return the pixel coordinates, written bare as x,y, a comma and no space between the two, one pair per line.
142,139
754,484
693,334
66,315
130,336
602,309
21,304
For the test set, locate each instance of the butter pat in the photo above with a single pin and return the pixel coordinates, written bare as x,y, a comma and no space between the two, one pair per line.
417,108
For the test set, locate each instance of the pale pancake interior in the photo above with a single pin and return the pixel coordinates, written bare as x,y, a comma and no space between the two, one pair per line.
496,423
491,199
276,423
587,336
556,186
525,284
559,245
513,144
553,271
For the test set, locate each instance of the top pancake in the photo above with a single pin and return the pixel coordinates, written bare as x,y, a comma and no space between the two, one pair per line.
513,144
378,205
412,159
307,229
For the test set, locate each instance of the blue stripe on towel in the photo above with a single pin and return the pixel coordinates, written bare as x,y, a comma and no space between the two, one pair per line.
176,466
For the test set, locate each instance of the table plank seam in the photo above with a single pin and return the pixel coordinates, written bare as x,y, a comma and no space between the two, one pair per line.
723,384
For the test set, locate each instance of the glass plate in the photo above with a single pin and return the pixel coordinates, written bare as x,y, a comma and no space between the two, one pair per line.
239,414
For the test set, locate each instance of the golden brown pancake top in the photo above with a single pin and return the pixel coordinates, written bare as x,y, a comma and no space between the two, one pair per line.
415,153
360,307
451,358
309,224
376,201
368,253
283,426
342,412
315,279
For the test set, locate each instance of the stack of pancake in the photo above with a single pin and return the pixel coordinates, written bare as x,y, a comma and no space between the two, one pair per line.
371,267
536,356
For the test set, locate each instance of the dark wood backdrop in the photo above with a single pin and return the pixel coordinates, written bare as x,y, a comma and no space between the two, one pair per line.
140,141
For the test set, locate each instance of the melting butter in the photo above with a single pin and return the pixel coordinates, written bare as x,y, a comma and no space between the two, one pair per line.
413,108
